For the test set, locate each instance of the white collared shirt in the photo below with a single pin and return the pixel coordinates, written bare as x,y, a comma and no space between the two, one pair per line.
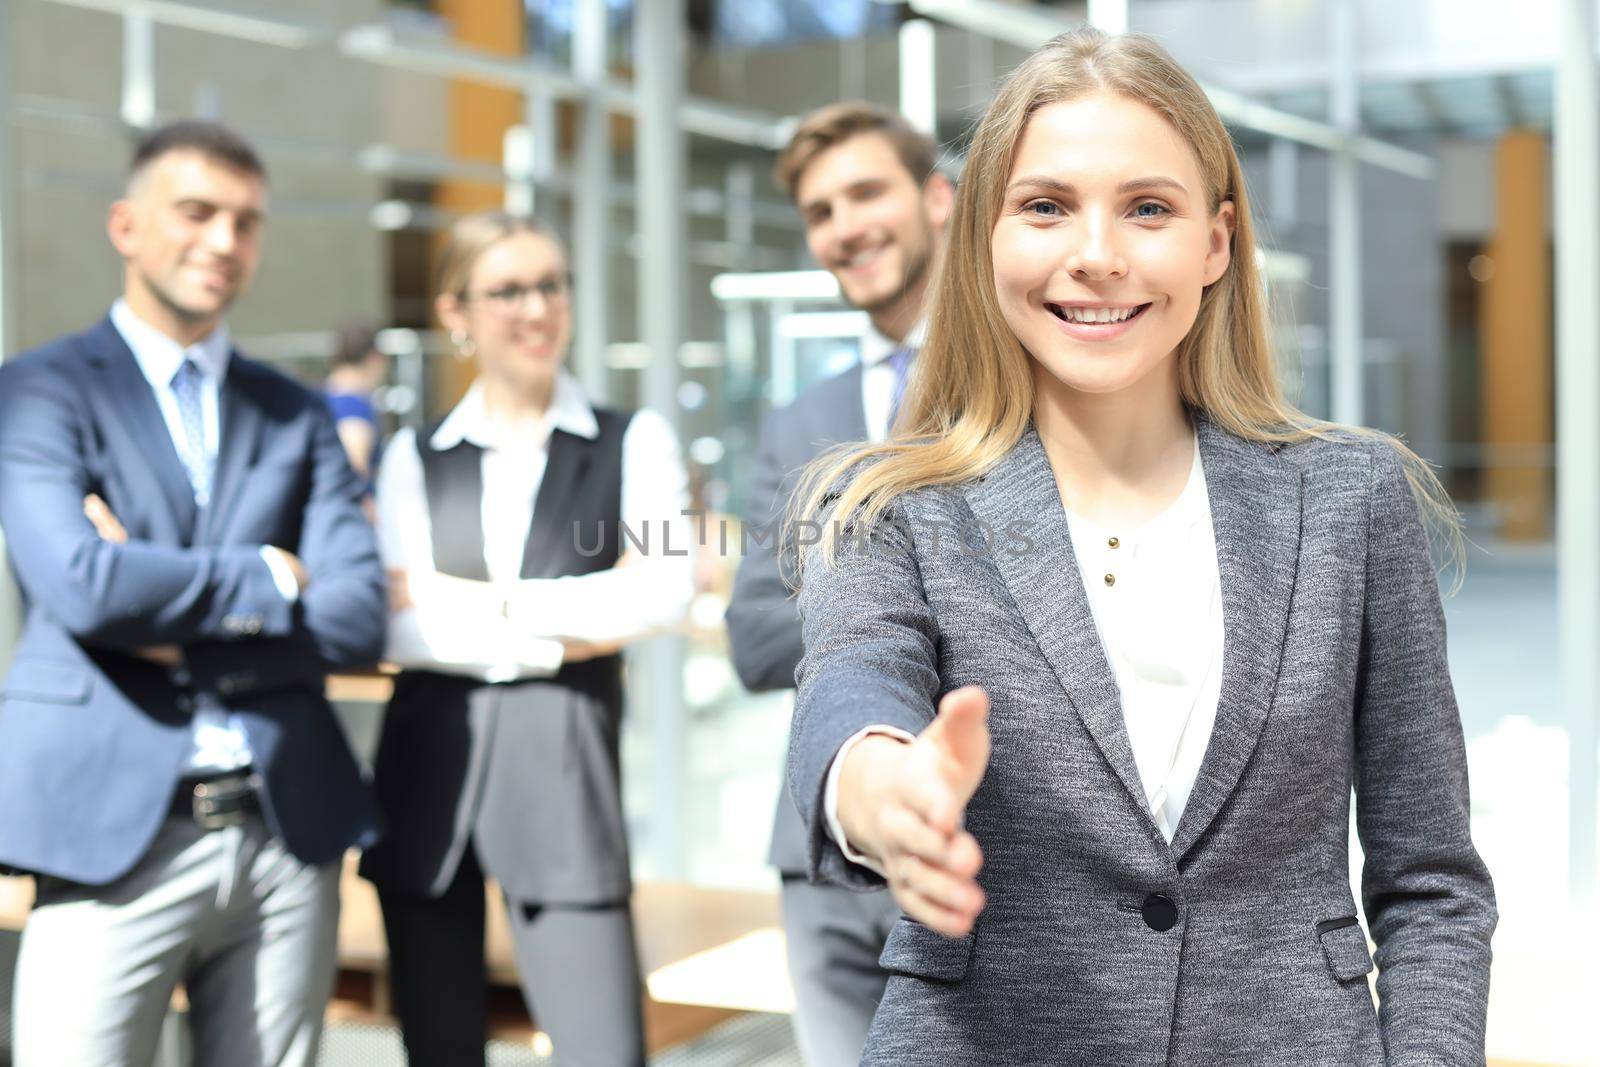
511,627
1160,623
877,376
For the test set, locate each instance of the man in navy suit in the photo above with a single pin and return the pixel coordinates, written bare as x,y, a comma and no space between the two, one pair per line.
190,545
875,209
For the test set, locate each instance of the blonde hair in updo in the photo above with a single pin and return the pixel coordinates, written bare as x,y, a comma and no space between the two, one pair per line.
471,236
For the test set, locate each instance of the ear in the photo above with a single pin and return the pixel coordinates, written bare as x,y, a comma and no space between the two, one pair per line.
1220,252
452,315
122,227
938,199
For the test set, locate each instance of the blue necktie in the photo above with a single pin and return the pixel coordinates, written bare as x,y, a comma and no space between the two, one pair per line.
186,387
900,363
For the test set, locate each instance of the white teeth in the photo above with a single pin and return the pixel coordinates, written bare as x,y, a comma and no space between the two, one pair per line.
1097,315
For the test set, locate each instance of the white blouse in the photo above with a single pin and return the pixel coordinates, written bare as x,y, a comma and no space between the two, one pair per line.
1156,596
512,627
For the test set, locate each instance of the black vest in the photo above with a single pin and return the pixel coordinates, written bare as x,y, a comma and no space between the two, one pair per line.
527,772
576,519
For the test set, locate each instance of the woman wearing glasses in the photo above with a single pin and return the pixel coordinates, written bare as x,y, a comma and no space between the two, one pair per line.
511,596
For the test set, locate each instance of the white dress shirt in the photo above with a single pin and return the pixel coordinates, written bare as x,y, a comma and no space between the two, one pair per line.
512,627
1160,623
877,376
219,741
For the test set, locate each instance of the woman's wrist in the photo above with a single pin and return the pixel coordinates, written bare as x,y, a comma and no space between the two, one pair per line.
868,767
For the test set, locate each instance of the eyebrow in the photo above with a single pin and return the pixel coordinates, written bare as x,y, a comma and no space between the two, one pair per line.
200,201
859,185
1134,185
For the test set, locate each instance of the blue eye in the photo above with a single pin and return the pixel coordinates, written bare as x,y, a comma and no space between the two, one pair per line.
1051,208
1158,210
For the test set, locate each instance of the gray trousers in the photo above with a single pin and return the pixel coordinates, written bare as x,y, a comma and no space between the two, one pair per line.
834,938
577,963
250,931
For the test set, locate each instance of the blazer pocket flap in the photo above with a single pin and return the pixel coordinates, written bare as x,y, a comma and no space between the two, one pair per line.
914,949
42,680
1345,945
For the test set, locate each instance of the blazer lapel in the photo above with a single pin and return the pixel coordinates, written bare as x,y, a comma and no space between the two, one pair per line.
1020,494
851,414
133,403
564,469
1255,512
239,436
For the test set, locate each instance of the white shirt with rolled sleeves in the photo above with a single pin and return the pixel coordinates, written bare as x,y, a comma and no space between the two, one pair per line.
1160,623
517,633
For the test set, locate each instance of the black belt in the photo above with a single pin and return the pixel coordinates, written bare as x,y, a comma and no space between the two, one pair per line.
218,801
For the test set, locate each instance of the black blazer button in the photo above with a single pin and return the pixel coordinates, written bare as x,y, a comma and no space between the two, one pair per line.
1159,913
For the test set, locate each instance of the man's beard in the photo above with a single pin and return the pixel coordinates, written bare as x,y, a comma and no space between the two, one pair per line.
917,263
165,297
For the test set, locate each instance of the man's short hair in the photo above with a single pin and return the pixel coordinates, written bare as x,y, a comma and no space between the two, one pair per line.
834,124
212,140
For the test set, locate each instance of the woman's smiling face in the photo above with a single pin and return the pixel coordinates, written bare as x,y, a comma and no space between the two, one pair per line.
1104,242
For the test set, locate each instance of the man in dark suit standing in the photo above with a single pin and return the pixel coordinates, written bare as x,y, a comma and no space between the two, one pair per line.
190,545
874,208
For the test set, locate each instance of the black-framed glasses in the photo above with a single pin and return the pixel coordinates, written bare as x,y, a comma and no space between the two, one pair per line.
509,299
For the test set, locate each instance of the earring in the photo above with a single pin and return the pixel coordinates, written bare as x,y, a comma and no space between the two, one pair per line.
465,348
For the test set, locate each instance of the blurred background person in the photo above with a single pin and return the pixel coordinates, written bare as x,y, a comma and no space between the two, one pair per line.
170,771
355,373
874,209
512,593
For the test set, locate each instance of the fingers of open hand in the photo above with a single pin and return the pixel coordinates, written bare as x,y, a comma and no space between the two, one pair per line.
905,832
926,791
933,873
946,901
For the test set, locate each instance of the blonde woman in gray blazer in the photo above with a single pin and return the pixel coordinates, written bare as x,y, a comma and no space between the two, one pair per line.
1099,644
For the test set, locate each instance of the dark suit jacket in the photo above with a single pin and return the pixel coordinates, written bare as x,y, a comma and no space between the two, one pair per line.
92,738
1333,678
763,617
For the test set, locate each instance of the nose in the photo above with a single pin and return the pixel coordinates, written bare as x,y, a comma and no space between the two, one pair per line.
534,304
848,224
220,235
1097,254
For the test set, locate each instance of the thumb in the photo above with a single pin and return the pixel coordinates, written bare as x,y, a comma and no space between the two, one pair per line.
960,734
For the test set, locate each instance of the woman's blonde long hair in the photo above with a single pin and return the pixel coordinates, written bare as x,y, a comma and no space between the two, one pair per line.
971,396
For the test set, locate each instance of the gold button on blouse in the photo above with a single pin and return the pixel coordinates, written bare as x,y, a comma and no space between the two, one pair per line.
1114,541
1111,579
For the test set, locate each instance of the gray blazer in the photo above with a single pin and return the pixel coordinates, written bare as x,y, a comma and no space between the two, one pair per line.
1237,943
763,617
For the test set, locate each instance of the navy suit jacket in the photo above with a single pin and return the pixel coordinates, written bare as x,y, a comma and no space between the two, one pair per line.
763,616
93,739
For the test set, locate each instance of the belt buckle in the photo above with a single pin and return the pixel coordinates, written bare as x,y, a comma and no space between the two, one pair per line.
217,804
